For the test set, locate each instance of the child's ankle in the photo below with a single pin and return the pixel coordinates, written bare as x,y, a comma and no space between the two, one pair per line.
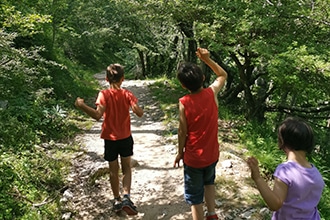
210,213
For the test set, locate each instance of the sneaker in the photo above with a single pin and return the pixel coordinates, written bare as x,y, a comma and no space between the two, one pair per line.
117,206
128,206
212,217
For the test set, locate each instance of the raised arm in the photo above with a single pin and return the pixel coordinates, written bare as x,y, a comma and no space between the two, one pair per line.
273,198
204,55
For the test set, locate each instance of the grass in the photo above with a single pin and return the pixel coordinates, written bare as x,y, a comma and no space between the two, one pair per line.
167,93
32,181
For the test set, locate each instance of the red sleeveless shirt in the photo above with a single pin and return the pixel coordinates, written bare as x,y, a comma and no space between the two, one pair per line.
116,118
202,146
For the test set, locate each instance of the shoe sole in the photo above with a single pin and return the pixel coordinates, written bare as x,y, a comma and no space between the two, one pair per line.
129,210
117,210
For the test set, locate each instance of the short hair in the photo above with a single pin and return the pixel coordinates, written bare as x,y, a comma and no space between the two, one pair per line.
114,72
295,134
190,76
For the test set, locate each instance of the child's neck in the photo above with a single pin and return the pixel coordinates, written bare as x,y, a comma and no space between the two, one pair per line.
115,85
298,157
197,91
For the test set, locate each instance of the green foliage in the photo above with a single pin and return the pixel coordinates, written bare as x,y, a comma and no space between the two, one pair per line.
261,141
28,179
28,24
36,101
255,36
168,93
26,90
276,55
8,205
71,82
301,74
324,203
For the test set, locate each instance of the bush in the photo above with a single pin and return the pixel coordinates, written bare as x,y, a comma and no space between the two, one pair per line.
29,178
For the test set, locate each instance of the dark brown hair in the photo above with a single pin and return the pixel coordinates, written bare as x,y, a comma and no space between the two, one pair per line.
114,73
190,76
295,134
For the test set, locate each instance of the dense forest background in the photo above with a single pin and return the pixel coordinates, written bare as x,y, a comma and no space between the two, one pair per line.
276,53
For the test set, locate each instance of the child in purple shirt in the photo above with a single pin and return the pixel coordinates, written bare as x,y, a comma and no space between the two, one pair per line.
298,185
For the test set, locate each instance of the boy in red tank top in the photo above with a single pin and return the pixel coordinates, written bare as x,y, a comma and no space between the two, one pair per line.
113,104
198,145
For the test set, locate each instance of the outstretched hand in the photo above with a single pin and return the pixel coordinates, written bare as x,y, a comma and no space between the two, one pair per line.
203,54
254,167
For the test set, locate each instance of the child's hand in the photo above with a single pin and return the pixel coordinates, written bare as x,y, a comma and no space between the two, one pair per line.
79,102
177,160
253,164
203,54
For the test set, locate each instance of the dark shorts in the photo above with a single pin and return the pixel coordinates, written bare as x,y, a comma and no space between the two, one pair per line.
194,181
123,147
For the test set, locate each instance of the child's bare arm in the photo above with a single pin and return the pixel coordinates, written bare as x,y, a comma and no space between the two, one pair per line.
182,135
273,198
94,113
204,55
137,110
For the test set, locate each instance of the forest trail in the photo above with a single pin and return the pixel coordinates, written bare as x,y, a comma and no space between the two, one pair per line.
157,187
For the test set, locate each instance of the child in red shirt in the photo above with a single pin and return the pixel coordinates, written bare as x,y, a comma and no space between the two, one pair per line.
113,104
198,134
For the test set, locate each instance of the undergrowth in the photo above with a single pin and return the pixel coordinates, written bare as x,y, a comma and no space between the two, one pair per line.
32,165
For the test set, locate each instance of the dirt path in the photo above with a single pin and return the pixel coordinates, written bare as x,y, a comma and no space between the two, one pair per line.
157,187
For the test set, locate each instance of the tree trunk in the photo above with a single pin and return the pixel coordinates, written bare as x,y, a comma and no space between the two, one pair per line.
173,57
53,24
255,110
187,28
143,67
192,47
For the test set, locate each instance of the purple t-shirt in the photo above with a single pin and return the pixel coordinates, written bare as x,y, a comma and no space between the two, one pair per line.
305,186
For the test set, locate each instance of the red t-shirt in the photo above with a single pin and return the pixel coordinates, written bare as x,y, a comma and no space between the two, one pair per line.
202,146
116,117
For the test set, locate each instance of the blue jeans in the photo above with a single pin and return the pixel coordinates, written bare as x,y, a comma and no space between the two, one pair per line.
194,181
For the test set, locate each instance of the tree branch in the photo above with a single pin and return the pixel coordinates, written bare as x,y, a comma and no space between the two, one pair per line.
290,109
